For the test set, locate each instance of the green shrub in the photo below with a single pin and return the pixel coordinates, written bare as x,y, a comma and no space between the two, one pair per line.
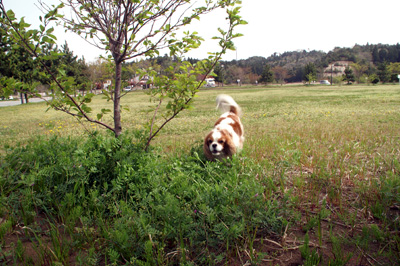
144,205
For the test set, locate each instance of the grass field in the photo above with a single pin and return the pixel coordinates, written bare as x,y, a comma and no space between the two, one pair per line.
327,156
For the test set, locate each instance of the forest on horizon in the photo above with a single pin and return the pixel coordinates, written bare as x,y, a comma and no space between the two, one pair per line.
371,63
382,60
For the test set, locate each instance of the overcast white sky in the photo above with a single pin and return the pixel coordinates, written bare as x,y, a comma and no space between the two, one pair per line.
274,26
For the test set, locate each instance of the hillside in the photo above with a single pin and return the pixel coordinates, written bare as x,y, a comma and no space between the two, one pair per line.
369,55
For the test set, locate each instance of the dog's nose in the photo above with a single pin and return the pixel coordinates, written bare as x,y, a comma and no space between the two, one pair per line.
214,145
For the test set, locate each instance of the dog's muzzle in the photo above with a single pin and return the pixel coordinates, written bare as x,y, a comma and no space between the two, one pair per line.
214,149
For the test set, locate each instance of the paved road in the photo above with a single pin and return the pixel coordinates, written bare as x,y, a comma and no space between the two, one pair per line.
18,102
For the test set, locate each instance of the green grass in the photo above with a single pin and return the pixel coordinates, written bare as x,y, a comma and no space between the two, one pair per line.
318,161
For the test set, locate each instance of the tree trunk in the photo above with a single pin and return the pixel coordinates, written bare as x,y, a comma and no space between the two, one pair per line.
117,99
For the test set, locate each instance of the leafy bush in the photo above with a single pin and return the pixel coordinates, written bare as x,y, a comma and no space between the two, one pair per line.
146,208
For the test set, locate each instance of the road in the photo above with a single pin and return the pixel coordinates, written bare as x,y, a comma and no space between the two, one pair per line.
18,102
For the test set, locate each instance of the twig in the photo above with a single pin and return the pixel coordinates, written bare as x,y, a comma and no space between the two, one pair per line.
367,256
311,244
152,125
273,242
240,257
285,234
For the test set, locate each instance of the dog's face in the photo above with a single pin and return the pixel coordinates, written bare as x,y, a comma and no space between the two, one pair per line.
218,144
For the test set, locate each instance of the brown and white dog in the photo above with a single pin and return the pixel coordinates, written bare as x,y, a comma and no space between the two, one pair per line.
228,135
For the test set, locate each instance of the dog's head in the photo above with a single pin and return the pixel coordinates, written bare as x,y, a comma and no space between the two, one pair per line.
218,144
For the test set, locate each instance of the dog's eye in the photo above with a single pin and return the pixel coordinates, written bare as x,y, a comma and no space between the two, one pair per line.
220,141
209,141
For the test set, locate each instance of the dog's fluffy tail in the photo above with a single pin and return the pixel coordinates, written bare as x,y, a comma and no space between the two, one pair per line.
226,103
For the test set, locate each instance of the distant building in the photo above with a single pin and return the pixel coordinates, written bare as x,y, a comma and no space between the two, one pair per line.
336,69
210,82
143,82
107,83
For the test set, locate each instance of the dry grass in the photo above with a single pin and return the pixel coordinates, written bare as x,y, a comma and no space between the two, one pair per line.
315,118
347,131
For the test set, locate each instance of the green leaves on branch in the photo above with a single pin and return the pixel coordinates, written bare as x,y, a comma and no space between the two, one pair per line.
188,42
180,84
103,112
32,39
226,38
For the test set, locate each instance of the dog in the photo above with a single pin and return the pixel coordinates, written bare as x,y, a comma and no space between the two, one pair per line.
227,136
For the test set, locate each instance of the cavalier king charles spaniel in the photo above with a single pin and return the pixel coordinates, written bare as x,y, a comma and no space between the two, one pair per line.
227,136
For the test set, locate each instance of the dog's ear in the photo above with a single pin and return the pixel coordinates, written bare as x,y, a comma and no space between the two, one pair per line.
206,149
229,147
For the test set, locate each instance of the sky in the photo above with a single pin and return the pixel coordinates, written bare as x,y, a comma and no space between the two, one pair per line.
274,26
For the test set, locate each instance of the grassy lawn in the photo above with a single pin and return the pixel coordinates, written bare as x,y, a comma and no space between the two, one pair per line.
326,157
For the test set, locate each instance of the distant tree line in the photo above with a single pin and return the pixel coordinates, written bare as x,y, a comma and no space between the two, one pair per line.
370,63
